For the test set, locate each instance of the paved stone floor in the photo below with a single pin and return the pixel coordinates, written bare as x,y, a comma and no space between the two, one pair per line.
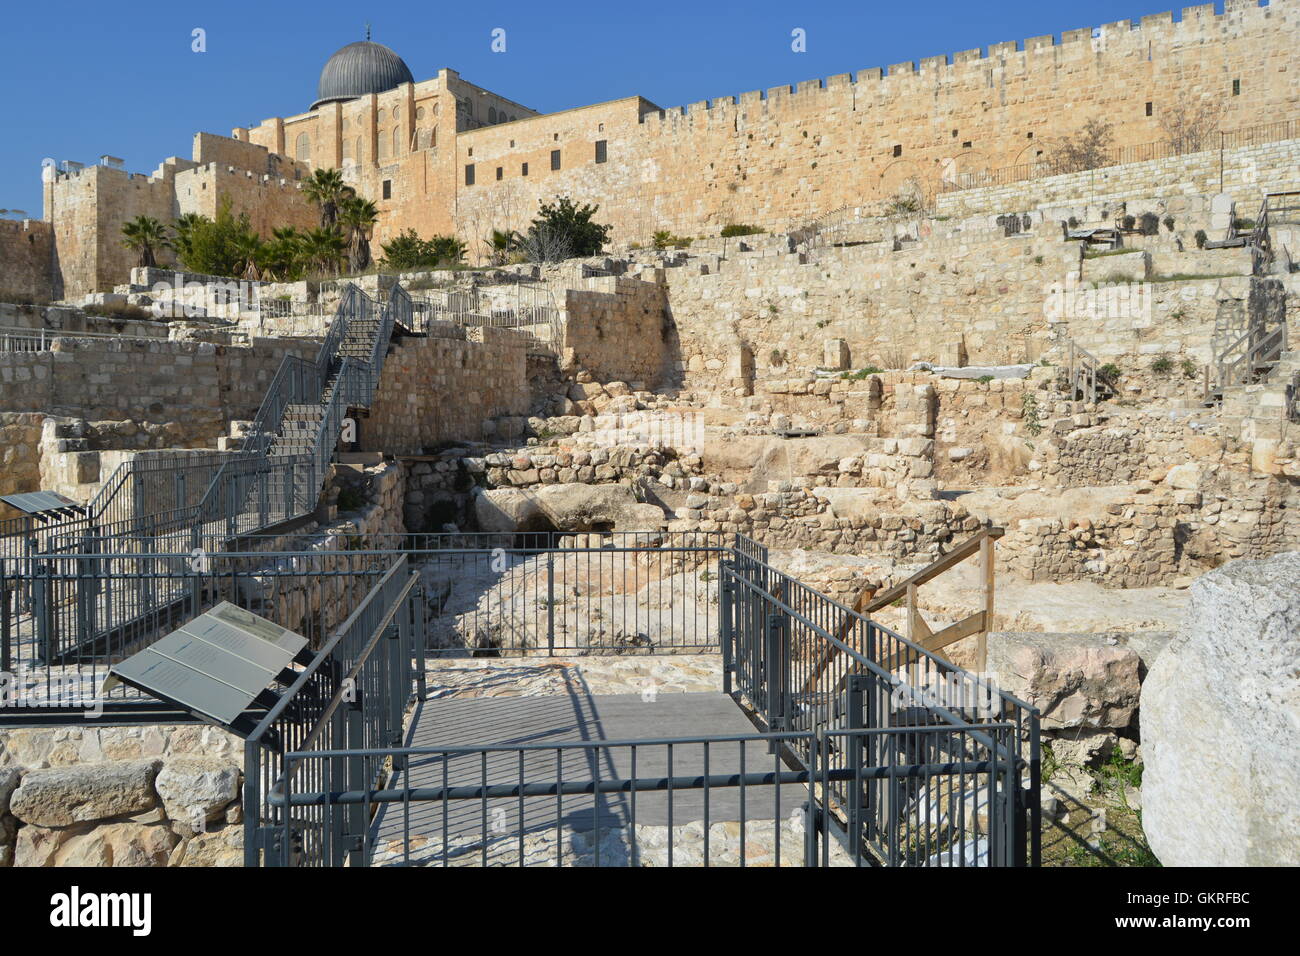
512,702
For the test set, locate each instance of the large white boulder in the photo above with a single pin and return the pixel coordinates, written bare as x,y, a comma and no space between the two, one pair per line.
1220,720
61,796
566,507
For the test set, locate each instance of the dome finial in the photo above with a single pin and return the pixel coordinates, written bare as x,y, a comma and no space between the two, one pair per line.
367,32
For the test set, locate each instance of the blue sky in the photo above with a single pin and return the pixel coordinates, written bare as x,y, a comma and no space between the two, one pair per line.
82,79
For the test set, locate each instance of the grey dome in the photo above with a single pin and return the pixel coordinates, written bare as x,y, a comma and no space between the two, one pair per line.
360,68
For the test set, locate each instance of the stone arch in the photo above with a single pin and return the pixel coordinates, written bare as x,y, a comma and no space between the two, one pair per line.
302,148
905,175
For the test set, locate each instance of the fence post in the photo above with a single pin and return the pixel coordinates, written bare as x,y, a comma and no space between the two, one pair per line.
550,604
7,594
398,686
338,775
253,832
774,650
43,611
356,780
725,629
856,742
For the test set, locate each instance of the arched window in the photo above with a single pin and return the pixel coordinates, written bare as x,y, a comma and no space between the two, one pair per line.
383,145
347,150
357,151
492,114
397,141
419,113
302,148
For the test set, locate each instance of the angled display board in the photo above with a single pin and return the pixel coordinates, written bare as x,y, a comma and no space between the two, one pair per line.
216,666
40,503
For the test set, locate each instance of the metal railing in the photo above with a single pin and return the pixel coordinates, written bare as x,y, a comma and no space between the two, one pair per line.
150,505
68,618
523,310
877,766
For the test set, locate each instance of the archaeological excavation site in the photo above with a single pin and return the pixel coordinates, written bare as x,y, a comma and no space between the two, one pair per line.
897,469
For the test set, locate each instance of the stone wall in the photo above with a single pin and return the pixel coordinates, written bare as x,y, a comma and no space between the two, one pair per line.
1244,173
200,385
155,795
619,330
20,453
26,260
442,387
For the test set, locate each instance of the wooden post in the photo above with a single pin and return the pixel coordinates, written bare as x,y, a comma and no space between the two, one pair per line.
987,567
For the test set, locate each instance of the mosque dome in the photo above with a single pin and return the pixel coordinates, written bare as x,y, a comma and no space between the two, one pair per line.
358,69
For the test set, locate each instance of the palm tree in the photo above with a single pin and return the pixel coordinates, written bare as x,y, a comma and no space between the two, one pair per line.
357,217
502,242
247,247
327,189
323,249
280,257
145,236
184,227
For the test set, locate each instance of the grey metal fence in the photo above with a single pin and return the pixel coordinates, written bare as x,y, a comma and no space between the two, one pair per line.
887,754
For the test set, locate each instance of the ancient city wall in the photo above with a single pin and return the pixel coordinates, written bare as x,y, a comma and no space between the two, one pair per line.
775,158
1244,174
26,260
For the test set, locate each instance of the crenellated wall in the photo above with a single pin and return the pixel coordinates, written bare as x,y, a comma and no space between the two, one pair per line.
433,159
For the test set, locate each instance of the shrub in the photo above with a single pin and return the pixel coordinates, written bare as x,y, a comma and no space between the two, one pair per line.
1169,223
1189,368
861,373
573,225
1129,222
1162,365
118,311
408,252
1109,373
1201,238
739,229
1150,224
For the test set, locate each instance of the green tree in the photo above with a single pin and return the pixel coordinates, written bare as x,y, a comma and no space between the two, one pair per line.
323,250
570,224
183,227
146,237
357,217
327,190
223,246
280,257
408,252
501,243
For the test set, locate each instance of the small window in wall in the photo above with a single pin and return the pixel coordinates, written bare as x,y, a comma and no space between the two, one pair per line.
469,174
954,134
1148,108
302,148
523,170
898,150
966,144
1236,87
500,172
555,159
388,189
601,153
1029,135
492,114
